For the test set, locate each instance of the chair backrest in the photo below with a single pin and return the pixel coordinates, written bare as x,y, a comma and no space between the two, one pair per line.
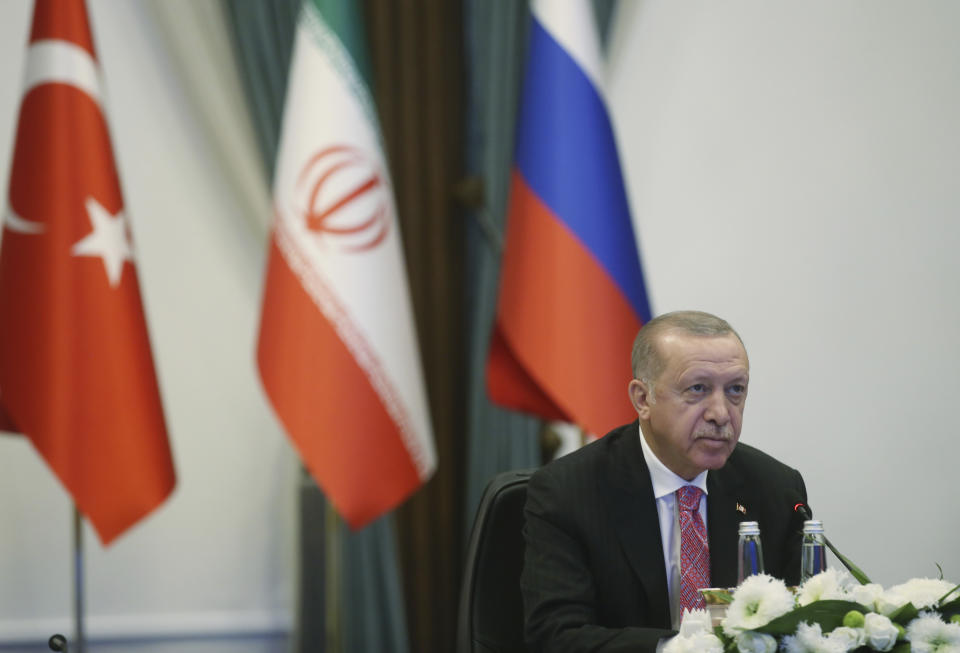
491,607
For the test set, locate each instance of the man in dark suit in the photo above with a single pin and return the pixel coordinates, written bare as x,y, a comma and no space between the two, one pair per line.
603,569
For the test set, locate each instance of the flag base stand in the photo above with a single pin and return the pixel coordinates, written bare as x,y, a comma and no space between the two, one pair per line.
79,643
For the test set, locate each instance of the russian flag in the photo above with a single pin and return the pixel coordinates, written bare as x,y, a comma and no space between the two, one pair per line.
572,295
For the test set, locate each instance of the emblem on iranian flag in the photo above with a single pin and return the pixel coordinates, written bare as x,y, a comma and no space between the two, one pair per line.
345,198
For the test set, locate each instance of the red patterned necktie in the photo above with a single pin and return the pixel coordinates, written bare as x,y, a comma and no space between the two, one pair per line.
694,549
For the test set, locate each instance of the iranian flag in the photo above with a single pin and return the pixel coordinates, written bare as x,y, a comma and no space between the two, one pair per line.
76,372
338,352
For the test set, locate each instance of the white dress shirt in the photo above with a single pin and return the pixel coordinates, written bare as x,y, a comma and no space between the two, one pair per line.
665,485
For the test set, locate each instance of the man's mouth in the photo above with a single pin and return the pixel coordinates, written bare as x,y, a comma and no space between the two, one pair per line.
716,436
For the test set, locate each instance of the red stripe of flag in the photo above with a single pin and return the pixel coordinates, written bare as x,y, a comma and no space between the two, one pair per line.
554,299
327,404
62,20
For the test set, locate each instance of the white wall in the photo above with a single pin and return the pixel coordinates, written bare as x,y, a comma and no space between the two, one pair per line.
793,167
219,555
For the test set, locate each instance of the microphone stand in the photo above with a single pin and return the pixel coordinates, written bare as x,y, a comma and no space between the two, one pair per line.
854,570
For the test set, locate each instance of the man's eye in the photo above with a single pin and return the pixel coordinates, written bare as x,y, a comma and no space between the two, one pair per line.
738,389
697,387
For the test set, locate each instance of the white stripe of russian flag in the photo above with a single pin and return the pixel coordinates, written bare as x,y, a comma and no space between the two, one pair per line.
564,21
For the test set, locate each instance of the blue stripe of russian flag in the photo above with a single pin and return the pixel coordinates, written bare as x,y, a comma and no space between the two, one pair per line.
577,174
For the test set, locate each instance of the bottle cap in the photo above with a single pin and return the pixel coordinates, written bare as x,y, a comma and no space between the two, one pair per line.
749,528
813,526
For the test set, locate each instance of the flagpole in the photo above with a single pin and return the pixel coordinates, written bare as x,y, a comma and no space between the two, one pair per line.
80,641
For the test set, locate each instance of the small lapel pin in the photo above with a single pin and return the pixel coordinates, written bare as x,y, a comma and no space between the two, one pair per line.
741,509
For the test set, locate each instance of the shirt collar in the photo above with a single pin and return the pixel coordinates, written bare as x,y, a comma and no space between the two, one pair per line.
665,482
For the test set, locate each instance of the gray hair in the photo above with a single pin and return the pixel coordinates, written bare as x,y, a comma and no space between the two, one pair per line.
645,358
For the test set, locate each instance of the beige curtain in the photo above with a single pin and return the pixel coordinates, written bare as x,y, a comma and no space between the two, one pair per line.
196,36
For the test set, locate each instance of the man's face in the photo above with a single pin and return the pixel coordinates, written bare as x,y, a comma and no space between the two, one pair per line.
693,421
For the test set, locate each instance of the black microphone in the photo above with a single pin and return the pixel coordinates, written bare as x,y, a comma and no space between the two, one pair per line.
803,510
58,643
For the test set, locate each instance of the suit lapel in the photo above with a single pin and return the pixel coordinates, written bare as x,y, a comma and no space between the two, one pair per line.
723,521
629,493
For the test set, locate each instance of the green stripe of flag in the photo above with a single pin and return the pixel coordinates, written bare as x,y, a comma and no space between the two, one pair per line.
335,26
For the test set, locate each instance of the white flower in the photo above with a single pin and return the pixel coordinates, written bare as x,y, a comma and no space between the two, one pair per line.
924,592
696,635
701,642
829,584
929,634
706,643
889,602
848,638
880,632
809,639
759,600
751,642
695,621
866,595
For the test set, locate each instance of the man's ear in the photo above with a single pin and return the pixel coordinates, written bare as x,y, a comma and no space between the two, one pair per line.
640,398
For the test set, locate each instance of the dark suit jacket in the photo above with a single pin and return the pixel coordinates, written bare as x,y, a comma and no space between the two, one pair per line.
594,576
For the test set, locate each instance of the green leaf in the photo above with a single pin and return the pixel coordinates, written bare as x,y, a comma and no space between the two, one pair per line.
717,597
947,610
944,597
829,614
901,647
904,614
729,644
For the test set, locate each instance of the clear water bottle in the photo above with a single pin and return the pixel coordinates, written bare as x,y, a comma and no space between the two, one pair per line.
749,551
813,551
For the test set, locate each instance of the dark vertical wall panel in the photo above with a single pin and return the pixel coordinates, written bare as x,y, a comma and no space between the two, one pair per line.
417,57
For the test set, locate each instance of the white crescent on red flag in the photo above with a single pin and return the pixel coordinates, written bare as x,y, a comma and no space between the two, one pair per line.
76,372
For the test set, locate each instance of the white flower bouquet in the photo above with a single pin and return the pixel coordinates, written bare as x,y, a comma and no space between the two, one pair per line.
832,612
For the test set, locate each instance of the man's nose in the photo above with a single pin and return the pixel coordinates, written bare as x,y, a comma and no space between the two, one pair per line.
717,409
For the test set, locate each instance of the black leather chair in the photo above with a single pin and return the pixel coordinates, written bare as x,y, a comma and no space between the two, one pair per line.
491,608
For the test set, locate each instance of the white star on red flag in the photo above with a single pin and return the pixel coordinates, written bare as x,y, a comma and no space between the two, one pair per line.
109,240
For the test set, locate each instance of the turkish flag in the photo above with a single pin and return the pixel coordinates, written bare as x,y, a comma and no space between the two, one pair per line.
76,373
